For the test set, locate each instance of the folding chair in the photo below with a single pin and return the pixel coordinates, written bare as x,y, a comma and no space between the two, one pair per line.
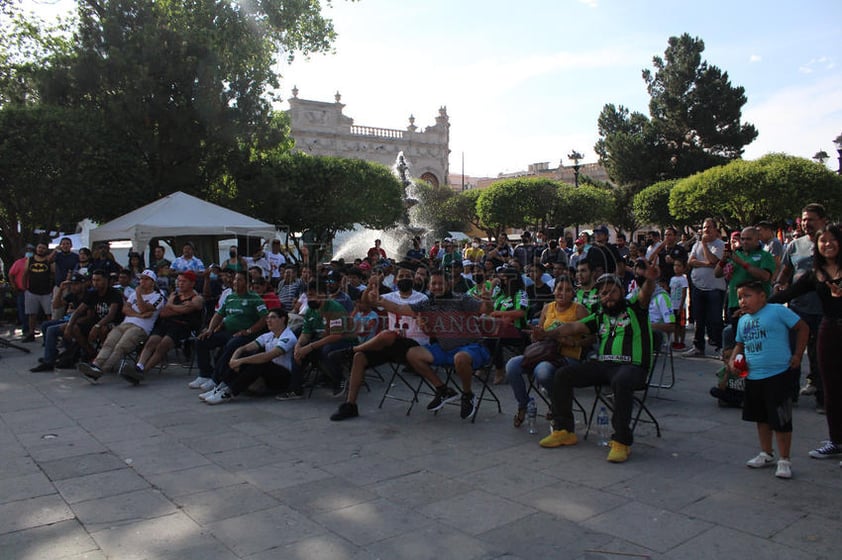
400,372
533,388
664,351
639,402
484,376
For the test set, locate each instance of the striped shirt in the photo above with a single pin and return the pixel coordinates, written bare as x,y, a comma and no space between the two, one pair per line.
624,338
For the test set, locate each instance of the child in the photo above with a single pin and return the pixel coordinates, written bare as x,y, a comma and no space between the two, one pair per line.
763,338
729,391
678,294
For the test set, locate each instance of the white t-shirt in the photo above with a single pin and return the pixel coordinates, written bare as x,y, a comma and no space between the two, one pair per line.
276,263
156,299
407,323
677,284
222,297
285,341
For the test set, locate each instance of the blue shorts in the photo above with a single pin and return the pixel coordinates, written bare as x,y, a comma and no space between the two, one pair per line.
480,356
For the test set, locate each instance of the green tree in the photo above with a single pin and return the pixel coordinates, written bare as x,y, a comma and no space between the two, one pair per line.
584,204
432,210
462,208
774,187
651,205
694,121
517,203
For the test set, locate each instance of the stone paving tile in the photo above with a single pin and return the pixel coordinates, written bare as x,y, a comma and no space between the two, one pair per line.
25,486
33,512
263,530
814,534
659,491
63,442
284,474
420,488
14,465
644,525
122,509
324,495
224,503
205,442
373,521
196,479
368,469
508,481
723,542
247,457
60,540
570,501
433,542
156,455
749,516
173,536
100,485
44,419
121,429
81,465
476,512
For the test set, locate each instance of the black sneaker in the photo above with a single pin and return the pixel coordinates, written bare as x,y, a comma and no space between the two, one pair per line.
443,396
43,366
469,405
133,375
828,450
90,370
346,410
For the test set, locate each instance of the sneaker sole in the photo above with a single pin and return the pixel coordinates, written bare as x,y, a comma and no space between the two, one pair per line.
444,402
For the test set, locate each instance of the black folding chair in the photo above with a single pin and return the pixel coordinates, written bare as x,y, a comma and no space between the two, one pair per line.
639,402
401,373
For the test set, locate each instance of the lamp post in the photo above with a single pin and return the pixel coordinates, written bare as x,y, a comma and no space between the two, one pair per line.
576,157
838,143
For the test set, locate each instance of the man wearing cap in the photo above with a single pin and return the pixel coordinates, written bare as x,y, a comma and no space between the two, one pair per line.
460,284
580,250
140,311
603,256
624,358
68,297
179,319
93,318
188,260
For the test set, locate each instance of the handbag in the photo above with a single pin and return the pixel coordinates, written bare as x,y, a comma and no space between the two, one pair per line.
542,351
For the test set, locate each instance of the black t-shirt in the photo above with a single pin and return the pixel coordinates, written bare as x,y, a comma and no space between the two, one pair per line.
605,257
538,297
100,304
40,277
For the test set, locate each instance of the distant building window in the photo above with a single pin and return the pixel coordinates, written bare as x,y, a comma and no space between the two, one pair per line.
430,178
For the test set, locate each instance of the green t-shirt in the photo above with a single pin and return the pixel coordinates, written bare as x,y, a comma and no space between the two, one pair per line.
241,312
588,298
759,258
330,318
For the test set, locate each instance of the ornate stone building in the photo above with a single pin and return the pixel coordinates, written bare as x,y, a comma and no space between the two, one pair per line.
320,128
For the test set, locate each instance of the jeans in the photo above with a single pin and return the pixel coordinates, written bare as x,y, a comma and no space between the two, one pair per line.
52,332
623,380
543,373
707,310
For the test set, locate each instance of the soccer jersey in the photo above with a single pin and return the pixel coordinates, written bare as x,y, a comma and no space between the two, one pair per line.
624,338
285,341
239,312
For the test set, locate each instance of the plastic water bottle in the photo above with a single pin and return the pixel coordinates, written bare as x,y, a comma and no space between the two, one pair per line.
740,365
531,416
603,427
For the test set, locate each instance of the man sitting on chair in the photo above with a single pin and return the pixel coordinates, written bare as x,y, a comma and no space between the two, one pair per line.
624,359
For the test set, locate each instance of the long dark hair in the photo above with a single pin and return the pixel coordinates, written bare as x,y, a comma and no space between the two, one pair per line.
819,260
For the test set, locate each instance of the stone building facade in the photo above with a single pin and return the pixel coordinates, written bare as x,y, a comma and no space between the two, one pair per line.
321,128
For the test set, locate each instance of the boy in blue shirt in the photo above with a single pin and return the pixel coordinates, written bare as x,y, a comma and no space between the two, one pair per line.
763,337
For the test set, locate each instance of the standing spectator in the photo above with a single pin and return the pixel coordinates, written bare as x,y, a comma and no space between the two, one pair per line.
668,252
750,262
276,260
771,244
708,292
157,259
38,279
188,260
17,280
377,252
65,261
622,248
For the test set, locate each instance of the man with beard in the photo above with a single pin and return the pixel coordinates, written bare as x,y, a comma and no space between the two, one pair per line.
623,362
447,347
391,345
38,279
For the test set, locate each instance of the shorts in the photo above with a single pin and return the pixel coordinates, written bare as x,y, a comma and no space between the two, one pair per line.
33,303
173,330
769,401
396,353
680,316
480,356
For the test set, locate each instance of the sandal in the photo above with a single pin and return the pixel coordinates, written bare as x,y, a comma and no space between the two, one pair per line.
519,417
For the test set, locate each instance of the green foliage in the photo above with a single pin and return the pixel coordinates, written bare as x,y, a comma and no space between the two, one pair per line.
651,205
693,124
517,202
584,204
433,209
774,187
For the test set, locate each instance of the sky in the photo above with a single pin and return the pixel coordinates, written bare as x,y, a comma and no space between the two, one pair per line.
524,82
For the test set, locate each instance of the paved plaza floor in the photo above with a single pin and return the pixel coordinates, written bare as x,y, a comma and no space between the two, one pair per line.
123,472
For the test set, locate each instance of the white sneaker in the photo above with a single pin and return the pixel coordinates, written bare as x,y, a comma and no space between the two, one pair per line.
762,460
198,382
206,394
218,397
784,469
208,385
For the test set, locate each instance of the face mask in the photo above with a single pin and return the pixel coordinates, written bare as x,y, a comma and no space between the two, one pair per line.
214,276
314,304
640,280
232,253
405,284
475,245
29,254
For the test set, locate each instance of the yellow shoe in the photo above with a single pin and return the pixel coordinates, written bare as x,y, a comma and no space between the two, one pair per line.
619,453
559,438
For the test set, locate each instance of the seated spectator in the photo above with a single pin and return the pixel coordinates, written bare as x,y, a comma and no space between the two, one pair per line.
237,322
140,313
103,259
290,287
269,357
562,310
158,258
376,253
180,318
123,284
71,292
510,306
84,264
586,292
391,344
416,254
540,292
263,288
93,319
188,260
135,268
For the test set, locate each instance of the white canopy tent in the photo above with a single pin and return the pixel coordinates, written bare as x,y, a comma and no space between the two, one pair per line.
180,215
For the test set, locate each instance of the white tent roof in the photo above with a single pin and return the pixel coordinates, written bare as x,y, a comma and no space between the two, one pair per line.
180,214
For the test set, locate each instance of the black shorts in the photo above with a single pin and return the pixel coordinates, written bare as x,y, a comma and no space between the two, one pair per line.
396,353
175,331
769,401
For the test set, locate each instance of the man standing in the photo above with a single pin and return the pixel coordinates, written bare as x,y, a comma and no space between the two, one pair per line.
65,261
17,279
276,260
603,256
771,244
668,252
38,279
188,261
750,262
708,292
798,261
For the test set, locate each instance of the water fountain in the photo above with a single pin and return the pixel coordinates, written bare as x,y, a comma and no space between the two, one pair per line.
396,241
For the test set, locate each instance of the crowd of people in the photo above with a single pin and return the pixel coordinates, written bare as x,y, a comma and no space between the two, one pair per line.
570,313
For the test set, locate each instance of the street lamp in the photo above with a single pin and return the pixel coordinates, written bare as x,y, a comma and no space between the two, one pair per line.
838,143
576,157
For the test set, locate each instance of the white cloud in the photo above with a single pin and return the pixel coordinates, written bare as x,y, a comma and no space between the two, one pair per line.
755,58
